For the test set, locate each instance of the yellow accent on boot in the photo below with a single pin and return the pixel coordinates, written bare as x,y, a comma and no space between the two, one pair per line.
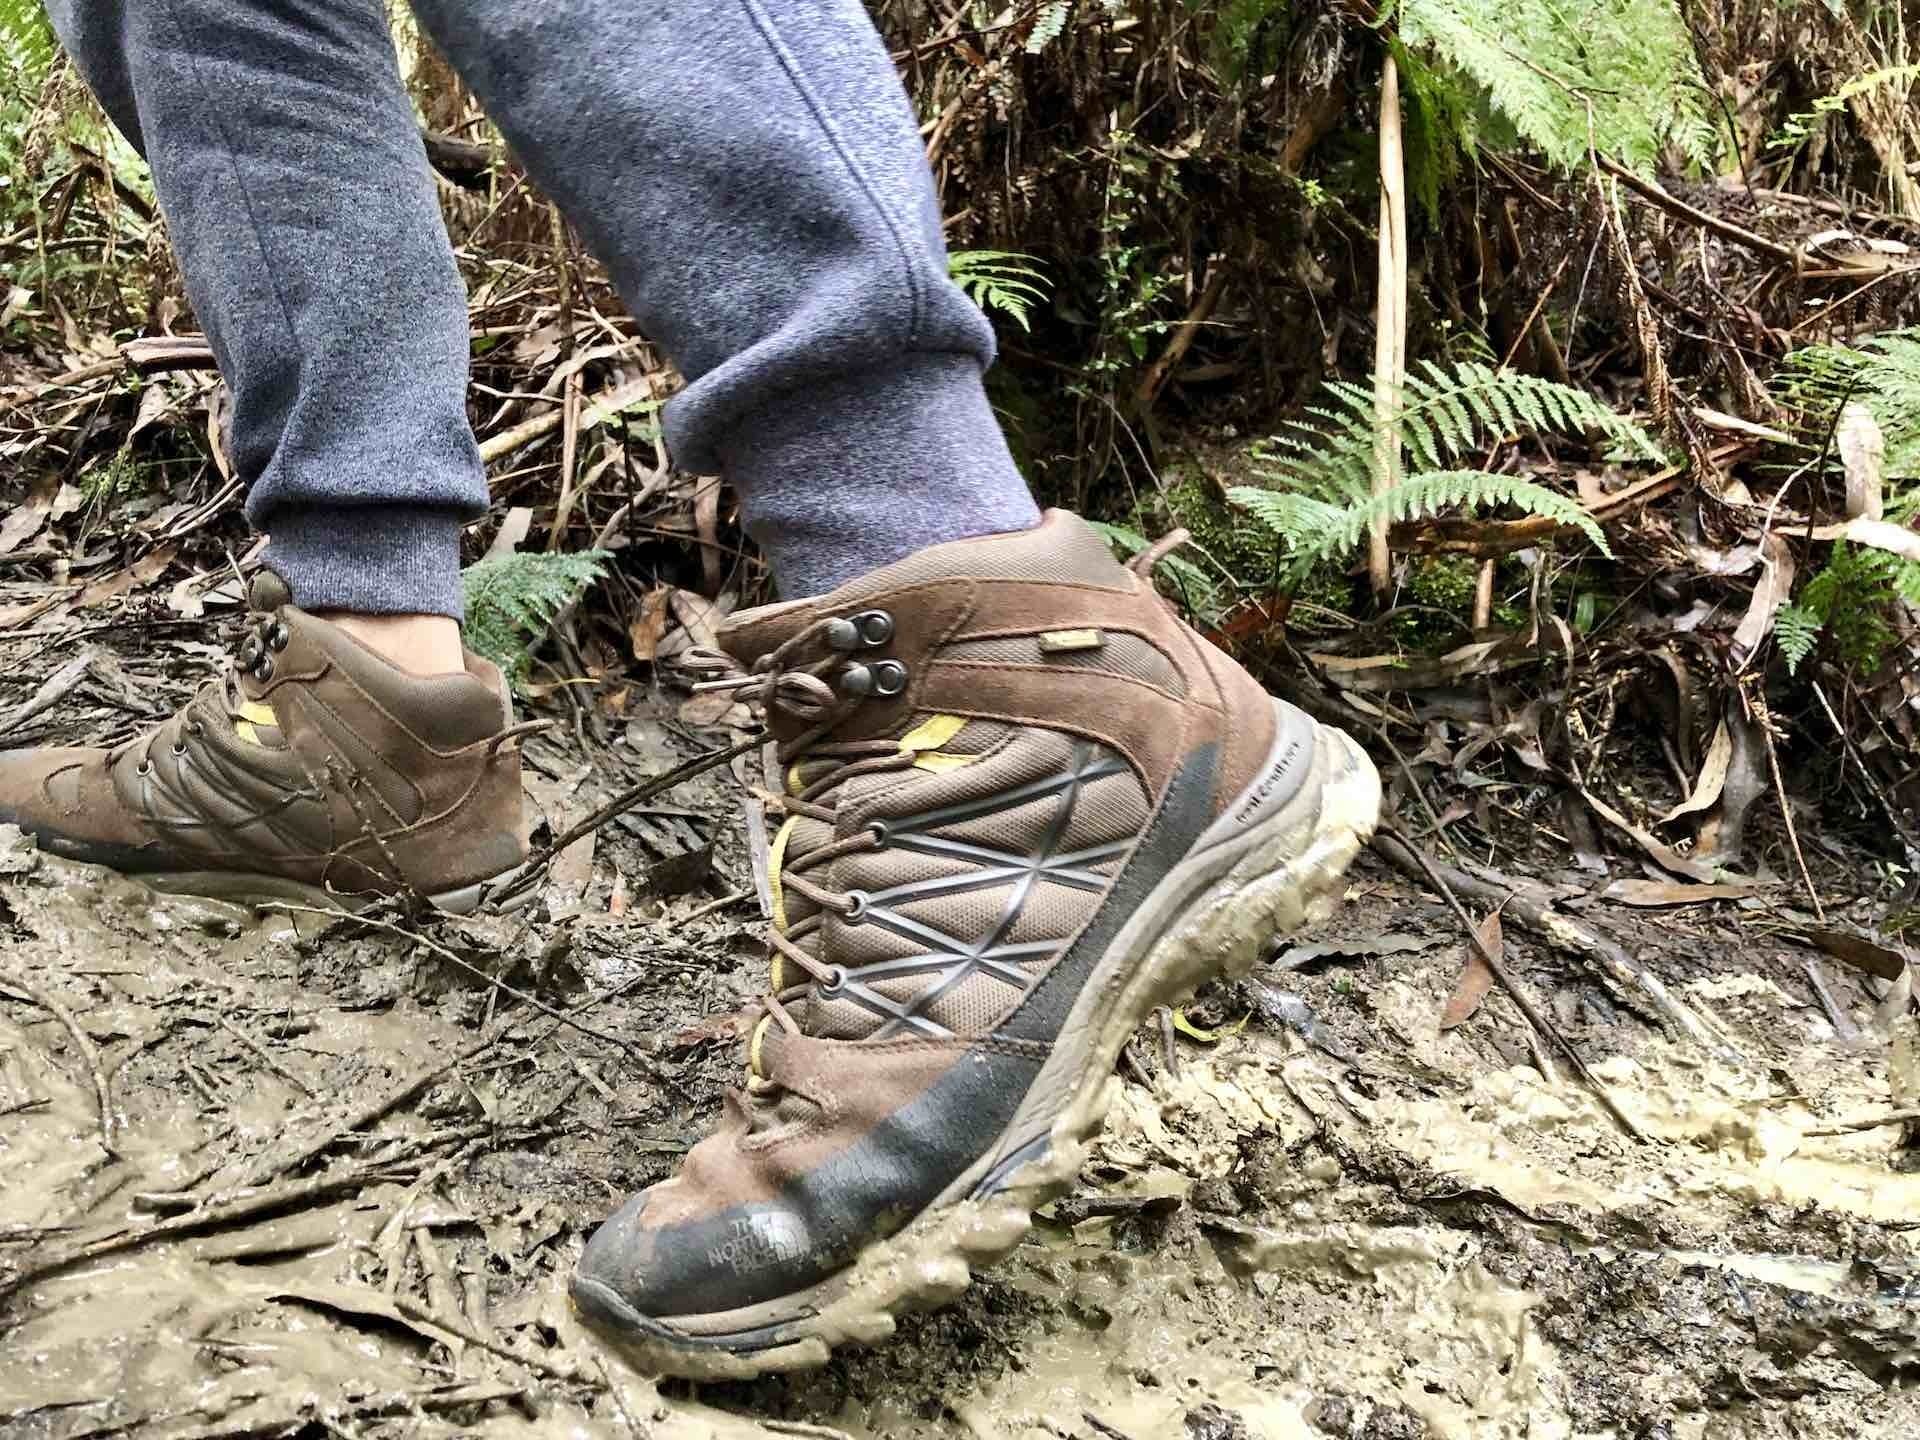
776,856
753,1046
254,713
923,742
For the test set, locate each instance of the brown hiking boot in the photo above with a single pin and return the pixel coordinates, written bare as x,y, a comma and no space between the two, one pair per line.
311,770
1026,805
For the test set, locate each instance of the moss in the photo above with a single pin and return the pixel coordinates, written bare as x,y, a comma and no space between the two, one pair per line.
1193,501
1439,600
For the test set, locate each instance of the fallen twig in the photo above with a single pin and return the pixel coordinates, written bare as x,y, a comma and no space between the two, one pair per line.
1673,205
262,1054
1512,986
1843,1027
426,1315
1854,1127
1531,908
1907,840
1764,723
102,1099
52,692
635,1426
537,865
241,1205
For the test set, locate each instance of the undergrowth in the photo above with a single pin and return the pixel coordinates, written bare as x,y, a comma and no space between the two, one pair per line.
511,599
1319,500
1847,601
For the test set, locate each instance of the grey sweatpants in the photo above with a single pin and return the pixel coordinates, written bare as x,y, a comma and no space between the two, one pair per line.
749,170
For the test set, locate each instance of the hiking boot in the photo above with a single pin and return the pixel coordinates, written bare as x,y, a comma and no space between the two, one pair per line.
312,770
1025,805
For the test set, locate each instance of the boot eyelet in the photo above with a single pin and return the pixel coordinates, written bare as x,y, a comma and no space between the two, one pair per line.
842,635
263,670
279,637
856,907
179,749
834,986
874,627
889,677
881,834
143,769
250,653
857,682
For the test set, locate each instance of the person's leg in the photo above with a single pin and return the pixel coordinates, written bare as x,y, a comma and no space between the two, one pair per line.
753,175
353,748
1024,803
297,196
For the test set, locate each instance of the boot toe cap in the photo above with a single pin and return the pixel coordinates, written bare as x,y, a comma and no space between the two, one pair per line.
64,799
636,1270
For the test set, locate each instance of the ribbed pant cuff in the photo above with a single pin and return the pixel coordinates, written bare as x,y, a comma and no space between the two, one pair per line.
857,471
369,559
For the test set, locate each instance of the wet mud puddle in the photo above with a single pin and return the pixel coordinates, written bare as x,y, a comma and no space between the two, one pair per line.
1268,1243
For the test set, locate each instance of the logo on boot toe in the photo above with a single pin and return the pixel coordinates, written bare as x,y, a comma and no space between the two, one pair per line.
761,1241
1256,799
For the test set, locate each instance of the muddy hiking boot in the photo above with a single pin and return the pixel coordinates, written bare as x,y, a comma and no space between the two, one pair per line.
312,770
1025,805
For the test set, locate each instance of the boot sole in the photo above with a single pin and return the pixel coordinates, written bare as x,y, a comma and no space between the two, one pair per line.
267,892
1284,873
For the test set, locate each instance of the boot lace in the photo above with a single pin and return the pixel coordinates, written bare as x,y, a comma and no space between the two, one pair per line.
221,695
817,679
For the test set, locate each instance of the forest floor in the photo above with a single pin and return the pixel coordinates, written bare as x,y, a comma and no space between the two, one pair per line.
341,1176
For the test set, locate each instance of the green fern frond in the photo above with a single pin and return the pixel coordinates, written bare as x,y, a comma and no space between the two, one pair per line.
27,44
1196,586
1882,373
511,599
1796,630
1002,280
1319,499
1619,75
1315,530
1444,414
1048,25
1847,601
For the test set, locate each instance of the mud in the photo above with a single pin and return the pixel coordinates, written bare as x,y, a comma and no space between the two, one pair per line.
1427,1237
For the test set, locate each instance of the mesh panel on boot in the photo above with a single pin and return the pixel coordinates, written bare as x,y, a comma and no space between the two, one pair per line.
987,872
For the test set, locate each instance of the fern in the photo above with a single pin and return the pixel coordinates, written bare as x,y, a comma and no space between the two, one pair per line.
1048,25
1197,588
511,599
1847,603
1315,530
1882,373
1320,498
1799,127
1796,629
27,44
1619,76
1002,280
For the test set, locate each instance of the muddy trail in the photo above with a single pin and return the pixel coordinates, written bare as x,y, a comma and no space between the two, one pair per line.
286,1175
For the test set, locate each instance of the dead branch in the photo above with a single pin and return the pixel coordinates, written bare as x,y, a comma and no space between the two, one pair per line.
102,1098
1535,1017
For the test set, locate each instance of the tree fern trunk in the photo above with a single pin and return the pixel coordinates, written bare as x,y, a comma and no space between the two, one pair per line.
1390,338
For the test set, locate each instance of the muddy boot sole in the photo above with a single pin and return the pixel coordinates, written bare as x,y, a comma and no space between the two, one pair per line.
277,892
1212,915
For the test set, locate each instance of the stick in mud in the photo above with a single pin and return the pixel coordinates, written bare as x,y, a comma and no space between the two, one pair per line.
1520,997
27,990
1523,904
